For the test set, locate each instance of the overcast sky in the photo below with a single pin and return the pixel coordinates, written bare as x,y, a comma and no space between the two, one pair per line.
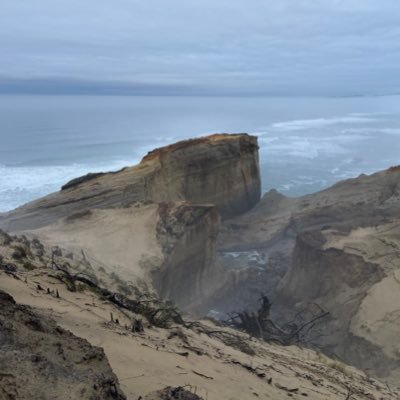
286,47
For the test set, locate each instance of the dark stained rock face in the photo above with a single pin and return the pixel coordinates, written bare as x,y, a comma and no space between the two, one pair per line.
40,360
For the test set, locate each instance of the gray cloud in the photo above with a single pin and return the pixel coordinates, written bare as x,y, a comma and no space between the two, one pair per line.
330,47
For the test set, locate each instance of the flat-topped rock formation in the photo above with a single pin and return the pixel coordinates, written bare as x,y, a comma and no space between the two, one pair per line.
219,169
118,218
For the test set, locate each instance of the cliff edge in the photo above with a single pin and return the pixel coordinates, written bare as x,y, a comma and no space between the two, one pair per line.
154,224
339,249
220,169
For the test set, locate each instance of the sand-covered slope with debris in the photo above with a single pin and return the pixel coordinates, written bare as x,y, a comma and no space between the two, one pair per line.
340,249
185,225
40,360
154,224
212,361
122,239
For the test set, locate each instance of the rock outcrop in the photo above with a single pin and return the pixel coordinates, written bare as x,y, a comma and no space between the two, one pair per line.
345,283
339,248
219,169
118,215
40,360
188,236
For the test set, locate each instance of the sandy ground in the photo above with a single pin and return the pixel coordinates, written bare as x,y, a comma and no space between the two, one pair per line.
149,361
378,318
122,240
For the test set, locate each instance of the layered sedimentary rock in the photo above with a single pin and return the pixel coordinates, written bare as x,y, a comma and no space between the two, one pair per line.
40,360
115,216
336,271
188,235
340,249
219,169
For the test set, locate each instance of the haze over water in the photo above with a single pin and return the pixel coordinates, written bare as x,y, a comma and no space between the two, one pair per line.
306,144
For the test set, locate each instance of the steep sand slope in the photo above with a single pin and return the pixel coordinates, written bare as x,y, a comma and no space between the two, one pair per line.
339,248
148,361
118,217
40,360
123,240
165,248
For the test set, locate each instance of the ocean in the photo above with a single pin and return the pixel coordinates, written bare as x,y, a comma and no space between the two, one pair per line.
306,144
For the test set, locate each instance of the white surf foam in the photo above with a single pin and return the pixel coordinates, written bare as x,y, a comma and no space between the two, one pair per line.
19,185
302,124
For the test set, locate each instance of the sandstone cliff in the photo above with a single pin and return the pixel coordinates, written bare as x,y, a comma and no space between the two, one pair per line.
219,169
338,248
154,224
39,360
188,274
358,287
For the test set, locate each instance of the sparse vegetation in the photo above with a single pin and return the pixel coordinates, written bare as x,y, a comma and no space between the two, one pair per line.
334,364
394,168
115,277
37,248
5,238
199,212
173,393
85,178
19,252
125,289
259,324
29,266
157,312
